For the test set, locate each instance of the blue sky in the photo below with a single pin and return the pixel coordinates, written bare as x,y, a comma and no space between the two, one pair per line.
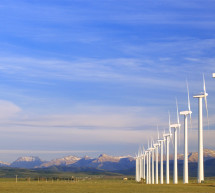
89,77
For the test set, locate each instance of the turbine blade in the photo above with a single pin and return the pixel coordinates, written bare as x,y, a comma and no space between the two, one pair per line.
206,103
191,125
206,106
171,139
179,133
158,132
204,88
178,120
189,108
169,123
177,110
188,96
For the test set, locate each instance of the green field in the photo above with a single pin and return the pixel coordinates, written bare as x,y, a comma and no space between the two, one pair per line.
99,186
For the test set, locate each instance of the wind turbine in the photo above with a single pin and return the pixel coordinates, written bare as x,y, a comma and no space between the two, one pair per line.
167,138
147,166
175,127
137,177
153,163
138,157
156,146
200,133
161,141
144,164
186,113
141,164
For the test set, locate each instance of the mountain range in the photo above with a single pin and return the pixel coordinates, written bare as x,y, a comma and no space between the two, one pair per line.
125,164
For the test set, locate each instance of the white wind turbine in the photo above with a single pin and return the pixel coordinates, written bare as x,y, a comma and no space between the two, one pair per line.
152,163
186,113
156,147
141,163
175,127
200,133
144,164
147,166
161,141
137,176
167,139
138,156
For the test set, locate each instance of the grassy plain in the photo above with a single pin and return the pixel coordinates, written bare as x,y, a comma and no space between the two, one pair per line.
101,186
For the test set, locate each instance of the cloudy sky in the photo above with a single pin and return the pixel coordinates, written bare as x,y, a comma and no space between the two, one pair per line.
86,77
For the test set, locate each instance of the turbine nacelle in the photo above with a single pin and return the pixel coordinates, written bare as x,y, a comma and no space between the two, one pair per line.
201,95
156,144
175,125
161,140
167,135
185,112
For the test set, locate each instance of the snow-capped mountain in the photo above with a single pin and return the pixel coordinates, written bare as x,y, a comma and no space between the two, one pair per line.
61,161
27,162
4,164
103,161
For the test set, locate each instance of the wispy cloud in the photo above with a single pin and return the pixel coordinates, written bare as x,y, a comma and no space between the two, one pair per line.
8,109
134,70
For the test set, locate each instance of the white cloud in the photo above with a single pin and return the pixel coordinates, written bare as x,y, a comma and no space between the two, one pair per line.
8,109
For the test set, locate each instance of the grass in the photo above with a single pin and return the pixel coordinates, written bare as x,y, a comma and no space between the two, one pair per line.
92,185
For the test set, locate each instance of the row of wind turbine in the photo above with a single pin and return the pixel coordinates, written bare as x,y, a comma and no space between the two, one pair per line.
146,157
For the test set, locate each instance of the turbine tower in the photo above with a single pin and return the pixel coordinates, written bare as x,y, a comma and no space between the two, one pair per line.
137,178
167,138
175,127
186,113
144,164
161,141
156,146
153,164
147,166
200,133
141,164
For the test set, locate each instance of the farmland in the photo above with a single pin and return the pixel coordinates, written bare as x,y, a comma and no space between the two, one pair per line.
98,185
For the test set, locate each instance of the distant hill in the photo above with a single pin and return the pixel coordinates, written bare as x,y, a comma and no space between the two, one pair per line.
53,172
